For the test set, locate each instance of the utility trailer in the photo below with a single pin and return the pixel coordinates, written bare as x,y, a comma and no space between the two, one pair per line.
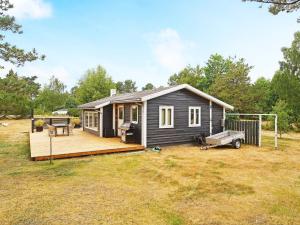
224,138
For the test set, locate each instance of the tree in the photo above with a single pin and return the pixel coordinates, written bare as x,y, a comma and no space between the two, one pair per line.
189,75
286,81
282,111
52,97
148,86
233,87
128,86
17,94
8,52
277,6
216,66
95,84
262,95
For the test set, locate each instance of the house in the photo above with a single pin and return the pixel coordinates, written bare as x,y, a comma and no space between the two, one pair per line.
165,115
60,112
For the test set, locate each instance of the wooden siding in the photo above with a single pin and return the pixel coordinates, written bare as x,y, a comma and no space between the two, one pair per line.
181,100
217,117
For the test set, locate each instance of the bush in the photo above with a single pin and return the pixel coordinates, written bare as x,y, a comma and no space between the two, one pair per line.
74,112
39,123
75,121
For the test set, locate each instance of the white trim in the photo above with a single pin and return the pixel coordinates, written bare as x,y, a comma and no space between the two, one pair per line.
87,123
137,119
102,105
210,118
259,130
224,118
144,124
166,107
276,132
114,117
123,116
194,108
101,122
190,88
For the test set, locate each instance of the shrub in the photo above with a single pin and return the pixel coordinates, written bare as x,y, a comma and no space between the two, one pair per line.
39,123
75,121
74,112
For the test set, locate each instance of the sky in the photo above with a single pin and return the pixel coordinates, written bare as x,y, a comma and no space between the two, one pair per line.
146,40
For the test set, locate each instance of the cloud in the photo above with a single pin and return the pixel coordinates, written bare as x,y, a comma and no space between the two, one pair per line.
169,49
34,9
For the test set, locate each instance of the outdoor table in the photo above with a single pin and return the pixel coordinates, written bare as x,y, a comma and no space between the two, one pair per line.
63,126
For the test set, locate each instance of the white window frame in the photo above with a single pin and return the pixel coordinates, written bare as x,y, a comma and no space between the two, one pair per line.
194,124
166,107
137,114
87,123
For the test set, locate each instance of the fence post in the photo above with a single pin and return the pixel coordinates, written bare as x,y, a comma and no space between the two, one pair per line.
276,133
32,125
259,133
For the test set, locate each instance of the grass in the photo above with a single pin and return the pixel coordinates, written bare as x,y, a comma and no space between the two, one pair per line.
181,185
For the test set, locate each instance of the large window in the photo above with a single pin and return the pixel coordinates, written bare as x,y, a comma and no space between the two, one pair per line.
91,120
194,116
134,114
166,116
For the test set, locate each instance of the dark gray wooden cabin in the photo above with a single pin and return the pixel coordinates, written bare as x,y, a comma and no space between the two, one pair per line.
162,116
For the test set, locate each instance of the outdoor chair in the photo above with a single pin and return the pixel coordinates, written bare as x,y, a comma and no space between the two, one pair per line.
71,127
51,130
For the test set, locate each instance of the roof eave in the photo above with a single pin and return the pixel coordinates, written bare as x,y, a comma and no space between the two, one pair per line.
192,89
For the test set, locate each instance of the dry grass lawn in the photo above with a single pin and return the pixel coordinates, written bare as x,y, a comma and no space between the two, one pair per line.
180,185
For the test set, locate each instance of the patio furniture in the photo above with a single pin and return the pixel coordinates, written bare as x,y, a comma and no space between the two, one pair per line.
51,130
63,126
71,127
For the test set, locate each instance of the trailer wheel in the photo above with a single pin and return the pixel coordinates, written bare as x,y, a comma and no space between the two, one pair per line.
236,143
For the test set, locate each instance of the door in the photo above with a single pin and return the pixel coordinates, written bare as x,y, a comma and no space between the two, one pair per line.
120,118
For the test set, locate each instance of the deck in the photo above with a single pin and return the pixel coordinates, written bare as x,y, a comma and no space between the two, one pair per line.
79,143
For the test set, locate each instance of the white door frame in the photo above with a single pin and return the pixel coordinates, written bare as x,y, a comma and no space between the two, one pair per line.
119,124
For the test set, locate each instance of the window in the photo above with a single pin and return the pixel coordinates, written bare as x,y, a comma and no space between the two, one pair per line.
91,120
166,116
134,114
121,112
194,116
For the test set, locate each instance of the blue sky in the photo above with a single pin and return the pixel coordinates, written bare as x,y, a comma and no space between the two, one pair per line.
147,40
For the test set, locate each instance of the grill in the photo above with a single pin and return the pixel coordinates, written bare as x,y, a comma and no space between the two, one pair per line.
128,133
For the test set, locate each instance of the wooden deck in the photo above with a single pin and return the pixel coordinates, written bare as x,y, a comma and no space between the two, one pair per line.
79,143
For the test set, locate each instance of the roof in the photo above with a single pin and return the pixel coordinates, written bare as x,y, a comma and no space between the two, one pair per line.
142,96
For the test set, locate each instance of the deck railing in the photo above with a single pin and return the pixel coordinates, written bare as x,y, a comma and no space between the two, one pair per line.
50,121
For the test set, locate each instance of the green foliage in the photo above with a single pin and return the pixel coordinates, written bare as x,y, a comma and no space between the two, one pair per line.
216,66
8,52
95,84
52,97
234,86
263,96
39,123
282,111
73,112
286,81
225,78
191,76
17,94
148,86
128,86
277,6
